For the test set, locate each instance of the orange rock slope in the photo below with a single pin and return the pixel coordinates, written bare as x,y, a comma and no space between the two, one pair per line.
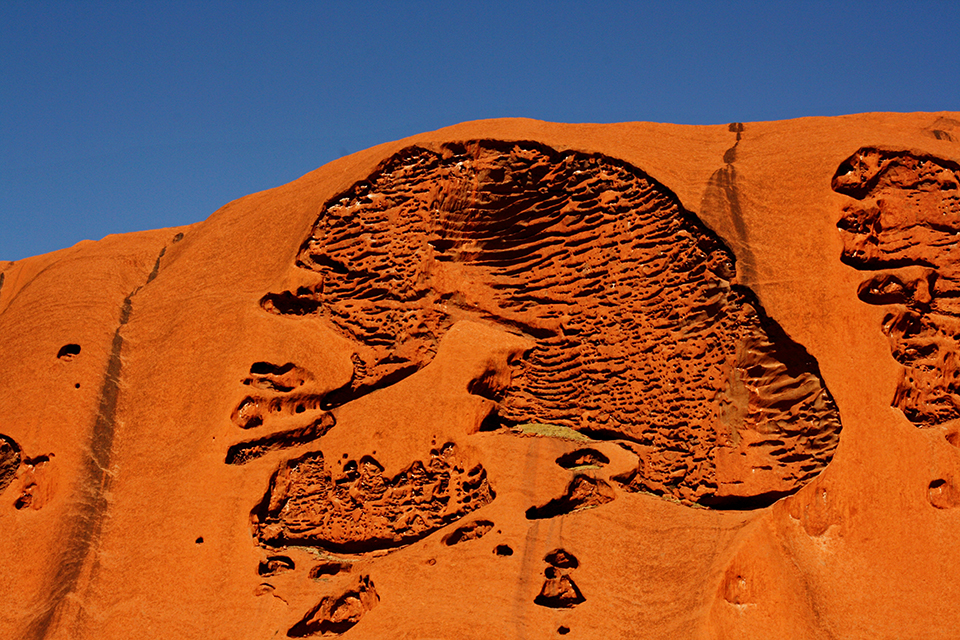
509,379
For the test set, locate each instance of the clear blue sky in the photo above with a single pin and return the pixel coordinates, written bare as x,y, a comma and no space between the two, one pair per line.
121,116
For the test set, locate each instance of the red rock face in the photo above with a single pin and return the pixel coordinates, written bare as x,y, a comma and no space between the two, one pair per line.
505,380
905,225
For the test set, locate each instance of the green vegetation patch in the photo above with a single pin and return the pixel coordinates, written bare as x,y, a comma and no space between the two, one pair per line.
551,431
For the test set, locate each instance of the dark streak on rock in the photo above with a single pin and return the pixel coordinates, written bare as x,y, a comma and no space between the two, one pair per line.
156,270
83,528
722,200
942,135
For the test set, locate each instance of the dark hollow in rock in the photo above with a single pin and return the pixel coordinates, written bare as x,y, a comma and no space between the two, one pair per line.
288,303
253,411
68,351
274,565
583,492
559,592
244,452
471,531
328,569
274,377
583,458
337,615
561,559
943,494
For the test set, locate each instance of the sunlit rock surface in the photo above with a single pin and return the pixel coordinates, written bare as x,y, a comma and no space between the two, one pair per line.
508,379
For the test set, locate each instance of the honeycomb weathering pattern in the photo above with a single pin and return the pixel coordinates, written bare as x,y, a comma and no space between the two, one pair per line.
905,225
357,509
641,334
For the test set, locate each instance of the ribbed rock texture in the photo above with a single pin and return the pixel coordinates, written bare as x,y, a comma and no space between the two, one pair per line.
508,379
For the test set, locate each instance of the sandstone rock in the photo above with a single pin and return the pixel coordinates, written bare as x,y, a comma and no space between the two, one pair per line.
507,379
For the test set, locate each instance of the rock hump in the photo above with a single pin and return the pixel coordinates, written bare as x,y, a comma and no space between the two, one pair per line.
507,379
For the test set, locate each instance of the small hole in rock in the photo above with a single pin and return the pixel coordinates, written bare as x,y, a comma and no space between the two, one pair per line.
327,569
490,423
276,564
562,559
68,351
76,386
563,630
268,368
503,550
200,540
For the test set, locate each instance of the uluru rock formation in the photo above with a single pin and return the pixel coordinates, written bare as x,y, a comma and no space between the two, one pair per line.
508,379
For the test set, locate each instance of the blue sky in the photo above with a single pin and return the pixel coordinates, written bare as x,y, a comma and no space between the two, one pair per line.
121,116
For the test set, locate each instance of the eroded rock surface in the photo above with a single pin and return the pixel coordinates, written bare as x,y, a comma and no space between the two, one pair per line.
905,225
641,333
355,509
335,615
505,380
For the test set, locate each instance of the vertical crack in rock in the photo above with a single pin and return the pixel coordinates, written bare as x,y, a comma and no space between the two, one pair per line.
642,334
84,526
904,225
